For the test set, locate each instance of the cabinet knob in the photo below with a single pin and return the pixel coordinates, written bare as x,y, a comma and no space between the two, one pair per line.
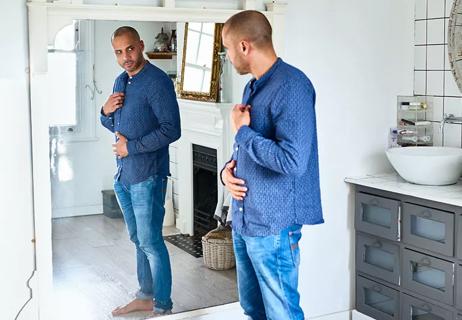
426,214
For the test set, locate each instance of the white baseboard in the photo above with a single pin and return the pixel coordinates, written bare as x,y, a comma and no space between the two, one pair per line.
356,315
77,211
343,315
233,311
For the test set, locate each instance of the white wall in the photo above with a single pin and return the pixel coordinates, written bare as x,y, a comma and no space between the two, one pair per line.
359,56
92,162
16,221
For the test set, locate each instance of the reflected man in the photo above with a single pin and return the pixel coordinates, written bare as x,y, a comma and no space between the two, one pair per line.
273,175
143,114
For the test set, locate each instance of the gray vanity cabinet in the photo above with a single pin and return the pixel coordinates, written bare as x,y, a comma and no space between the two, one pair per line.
428,228
458,243
378,257
377,215
428,276
414,309
408,257
376,300
459,286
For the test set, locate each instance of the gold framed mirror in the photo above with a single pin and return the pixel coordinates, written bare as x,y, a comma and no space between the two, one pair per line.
200,67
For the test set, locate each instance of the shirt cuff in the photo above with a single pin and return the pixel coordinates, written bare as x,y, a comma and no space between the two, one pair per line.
105,116
244,135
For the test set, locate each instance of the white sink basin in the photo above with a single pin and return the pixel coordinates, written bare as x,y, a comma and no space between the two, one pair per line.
435,166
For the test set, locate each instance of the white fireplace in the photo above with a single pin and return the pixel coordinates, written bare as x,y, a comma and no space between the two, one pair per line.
205,124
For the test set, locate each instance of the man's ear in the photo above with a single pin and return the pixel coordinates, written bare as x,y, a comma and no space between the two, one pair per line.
142,45
244,46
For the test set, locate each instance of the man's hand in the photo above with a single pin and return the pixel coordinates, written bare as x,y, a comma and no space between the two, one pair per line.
114,102
240,116
234,185
120,147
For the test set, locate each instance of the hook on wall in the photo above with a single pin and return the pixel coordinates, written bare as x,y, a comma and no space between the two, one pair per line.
93,87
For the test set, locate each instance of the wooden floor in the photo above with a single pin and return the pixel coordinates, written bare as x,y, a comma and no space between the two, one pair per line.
94,271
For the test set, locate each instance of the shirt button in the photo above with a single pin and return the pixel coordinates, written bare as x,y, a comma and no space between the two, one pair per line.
237,148
129,82
240,209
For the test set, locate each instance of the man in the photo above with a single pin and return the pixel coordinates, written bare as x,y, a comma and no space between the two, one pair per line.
273,176
143,113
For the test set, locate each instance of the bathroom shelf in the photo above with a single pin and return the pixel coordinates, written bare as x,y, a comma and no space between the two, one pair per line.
160,55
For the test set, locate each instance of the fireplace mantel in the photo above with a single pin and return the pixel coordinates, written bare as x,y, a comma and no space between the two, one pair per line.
206,124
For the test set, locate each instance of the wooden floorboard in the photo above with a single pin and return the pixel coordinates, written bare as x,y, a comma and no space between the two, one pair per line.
94,271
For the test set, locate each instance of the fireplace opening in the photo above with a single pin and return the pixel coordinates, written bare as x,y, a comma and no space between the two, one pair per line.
205,194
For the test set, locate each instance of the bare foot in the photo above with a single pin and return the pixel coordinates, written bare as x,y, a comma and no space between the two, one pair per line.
135,305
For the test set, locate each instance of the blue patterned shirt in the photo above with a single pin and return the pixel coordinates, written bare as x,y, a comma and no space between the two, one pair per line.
149,119
277,155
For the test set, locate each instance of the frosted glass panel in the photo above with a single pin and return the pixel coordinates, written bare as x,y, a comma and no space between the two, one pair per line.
62,85
429,229
419,314
379,301
379,258
429,276
377,215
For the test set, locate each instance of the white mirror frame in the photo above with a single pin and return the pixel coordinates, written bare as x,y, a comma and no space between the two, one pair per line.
46,19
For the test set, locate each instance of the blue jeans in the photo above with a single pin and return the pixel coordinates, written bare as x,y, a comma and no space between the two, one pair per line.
143,209
267,274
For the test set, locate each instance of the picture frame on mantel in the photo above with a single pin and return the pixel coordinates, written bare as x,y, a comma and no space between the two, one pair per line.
200,68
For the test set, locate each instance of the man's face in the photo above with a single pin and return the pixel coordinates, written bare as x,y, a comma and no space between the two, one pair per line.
235,53
129,52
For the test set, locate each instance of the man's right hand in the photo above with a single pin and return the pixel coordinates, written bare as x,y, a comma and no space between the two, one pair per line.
114,102
234,185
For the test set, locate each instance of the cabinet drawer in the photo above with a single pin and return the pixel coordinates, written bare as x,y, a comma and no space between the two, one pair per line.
413,308
376,300
377,215
428,228
428,276
459,287
458,241
378,258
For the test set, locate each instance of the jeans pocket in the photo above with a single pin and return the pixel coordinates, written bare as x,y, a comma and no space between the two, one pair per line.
295,234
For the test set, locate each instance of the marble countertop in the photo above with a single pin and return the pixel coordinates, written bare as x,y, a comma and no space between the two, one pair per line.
392,182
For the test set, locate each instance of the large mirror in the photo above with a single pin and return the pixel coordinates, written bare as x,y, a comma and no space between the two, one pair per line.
455,42
200,66
94,261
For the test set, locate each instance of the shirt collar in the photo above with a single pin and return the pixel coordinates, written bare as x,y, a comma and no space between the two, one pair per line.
140,73
254,83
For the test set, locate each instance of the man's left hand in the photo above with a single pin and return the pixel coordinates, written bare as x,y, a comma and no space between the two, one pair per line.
240,116
120,147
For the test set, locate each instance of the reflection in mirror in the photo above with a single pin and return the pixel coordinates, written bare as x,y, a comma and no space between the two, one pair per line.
455,42
200,66
94,261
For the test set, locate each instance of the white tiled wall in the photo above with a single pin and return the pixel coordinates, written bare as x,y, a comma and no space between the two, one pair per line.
432,73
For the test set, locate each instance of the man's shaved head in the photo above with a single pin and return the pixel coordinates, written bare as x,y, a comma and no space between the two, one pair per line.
251,26
126,30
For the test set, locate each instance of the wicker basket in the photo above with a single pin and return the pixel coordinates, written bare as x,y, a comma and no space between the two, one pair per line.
217,248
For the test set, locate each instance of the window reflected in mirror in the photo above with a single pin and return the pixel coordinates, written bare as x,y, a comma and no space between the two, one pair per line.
200,65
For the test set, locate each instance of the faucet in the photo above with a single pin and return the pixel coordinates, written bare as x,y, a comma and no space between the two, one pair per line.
449,118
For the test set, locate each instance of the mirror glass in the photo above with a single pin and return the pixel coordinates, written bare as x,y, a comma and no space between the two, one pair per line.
455,42
200,63
94,261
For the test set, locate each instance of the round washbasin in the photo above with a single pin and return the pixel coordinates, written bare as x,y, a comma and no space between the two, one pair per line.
434,166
